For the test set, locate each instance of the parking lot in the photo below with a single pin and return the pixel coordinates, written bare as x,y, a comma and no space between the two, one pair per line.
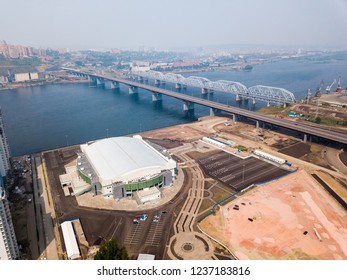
148,232
239,173
99,225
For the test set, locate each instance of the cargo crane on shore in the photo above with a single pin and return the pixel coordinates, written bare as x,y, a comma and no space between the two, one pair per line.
328,89
339,85
308,97
318,90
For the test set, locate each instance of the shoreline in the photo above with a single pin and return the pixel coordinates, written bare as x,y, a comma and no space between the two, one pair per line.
24,85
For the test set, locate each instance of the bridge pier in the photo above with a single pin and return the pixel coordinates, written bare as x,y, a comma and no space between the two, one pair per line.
115,84
253,101
178,86
214,112
140,79
187,106
256,124
100,82
157,82
211,91
307,137
238,97
245,98
268,104
284,105
204,91
156,96
133,89
111,84
235,118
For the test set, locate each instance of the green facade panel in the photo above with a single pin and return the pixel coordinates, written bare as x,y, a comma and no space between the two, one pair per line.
84,177
145,184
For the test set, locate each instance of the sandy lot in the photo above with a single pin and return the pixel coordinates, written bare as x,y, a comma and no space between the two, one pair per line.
290,218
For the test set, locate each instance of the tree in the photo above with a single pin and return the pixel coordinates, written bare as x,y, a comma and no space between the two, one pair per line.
318,120
110,251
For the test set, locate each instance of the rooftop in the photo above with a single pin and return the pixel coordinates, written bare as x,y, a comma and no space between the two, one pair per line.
121,158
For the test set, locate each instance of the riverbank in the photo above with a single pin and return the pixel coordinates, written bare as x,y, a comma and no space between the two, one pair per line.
324,115
39,83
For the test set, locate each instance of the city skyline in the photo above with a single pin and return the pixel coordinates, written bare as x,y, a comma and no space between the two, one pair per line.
120,24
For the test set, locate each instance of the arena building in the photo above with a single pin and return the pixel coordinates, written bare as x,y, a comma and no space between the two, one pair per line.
120,166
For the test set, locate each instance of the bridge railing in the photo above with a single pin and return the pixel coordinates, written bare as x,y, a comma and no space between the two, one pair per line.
260,92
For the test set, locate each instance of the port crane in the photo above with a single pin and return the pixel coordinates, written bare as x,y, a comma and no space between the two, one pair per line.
308,96
318,90
328,89
339,84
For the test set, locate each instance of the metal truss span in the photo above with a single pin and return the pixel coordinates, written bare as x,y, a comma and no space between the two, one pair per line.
281,95
266,93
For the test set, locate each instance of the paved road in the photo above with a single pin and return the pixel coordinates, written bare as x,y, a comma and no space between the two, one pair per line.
332,157
44,228
186,243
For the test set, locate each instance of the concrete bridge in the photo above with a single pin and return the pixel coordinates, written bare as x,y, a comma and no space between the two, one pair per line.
336,135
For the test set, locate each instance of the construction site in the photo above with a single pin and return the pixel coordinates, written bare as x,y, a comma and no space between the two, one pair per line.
241,192
314,170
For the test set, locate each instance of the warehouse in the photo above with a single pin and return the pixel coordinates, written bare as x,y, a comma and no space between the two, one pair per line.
269,157
120,166
70,241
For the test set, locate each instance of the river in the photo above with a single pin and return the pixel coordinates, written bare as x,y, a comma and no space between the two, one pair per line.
53,116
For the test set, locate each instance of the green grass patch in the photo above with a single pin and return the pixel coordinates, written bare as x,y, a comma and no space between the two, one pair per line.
219,194
272,110
206,203
241,148
326,121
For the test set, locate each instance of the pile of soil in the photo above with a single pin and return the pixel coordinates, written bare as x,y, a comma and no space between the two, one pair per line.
297,150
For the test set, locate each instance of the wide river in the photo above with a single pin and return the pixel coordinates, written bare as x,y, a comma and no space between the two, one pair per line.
52,116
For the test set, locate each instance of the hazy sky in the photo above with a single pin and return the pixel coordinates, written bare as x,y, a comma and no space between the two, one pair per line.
86,24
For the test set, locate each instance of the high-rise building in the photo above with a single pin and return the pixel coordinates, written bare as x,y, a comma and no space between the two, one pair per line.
4,150
8,242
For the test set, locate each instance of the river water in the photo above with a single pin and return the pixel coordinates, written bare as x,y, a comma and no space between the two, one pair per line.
54,116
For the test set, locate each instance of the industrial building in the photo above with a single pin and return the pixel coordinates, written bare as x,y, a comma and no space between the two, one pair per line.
119,167
70,241
23,77
267,156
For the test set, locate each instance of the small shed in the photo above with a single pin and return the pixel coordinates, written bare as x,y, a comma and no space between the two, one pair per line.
70,241
147,195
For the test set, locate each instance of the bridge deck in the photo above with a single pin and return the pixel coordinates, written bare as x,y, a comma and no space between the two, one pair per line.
315,130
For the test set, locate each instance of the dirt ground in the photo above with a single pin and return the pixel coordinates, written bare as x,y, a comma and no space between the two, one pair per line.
290,218
285,144
335,113
182,133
